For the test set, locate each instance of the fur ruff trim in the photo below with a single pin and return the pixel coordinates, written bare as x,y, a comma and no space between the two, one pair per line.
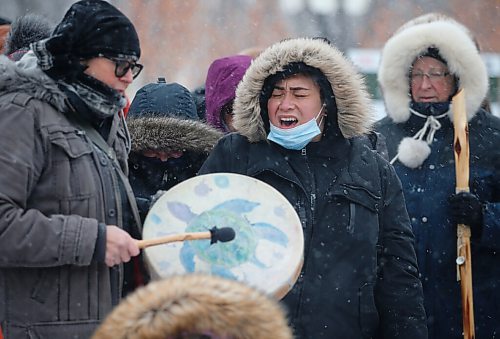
26,77
455,45
171,134
192,304
25,30
355,110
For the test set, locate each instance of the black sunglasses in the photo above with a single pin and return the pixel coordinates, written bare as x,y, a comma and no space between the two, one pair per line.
122,66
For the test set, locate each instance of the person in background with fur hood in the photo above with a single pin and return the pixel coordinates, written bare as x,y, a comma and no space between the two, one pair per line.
169,145
423,65
23,31
66,205
302,114
169,141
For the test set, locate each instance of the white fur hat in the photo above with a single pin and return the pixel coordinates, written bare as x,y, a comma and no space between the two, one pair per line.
455,44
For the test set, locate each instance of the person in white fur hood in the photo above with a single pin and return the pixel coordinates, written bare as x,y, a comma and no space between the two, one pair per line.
422,66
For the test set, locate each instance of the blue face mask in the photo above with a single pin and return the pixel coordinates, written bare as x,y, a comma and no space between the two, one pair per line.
298,137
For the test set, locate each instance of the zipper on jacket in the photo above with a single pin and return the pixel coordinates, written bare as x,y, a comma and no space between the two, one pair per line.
312,207
313,201
302,206
312,197
352,214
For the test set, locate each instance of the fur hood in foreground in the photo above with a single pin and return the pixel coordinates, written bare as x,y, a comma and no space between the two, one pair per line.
196,304
171,134
355,111
455,45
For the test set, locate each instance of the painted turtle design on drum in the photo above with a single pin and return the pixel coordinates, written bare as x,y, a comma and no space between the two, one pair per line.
224,256
268,246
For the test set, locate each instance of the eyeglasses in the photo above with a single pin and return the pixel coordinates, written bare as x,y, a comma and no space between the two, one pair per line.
122,66
433,76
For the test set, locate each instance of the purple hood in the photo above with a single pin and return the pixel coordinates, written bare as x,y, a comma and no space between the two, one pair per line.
223,77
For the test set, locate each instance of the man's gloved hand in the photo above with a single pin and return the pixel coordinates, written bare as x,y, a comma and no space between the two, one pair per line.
465,208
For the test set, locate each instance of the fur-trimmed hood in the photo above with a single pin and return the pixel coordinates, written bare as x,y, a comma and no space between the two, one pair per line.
196,304
355,111
456,45
26,77
163,117
25,30
171,134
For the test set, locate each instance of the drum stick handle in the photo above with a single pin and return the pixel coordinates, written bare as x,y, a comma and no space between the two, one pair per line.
173,238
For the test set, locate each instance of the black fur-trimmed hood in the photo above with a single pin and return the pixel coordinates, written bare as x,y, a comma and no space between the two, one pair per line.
171,134
455,45
26,77
355,111
163,117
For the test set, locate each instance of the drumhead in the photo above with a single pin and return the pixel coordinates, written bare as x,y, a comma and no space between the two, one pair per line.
267,252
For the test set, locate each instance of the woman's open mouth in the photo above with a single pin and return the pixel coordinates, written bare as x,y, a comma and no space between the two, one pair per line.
288,122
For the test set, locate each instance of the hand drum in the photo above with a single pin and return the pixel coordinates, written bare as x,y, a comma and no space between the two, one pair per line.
267,251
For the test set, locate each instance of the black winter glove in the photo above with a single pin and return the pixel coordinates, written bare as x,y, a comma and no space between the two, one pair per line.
465,208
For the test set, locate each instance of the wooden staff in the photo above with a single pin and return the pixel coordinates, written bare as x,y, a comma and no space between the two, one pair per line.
464,260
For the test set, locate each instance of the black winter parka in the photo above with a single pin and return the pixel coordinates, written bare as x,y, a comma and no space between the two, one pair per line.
360,273
360,276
